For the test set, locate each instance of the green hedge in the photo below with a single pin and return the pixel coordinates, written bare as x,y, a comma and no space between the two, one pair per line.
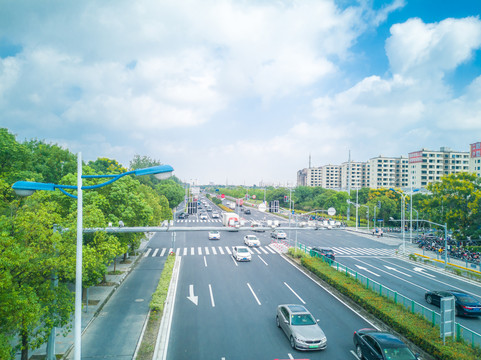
160,294
414,327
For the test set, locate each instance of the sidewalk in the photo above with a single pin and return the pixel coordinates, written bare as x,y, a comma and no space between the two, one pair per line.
97,298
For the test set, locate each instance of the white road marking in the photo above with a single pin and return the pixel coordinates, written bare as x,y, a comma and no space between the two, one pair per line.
211,296
207,251
272,251
214,251
162,252
353,353
396,270
148,252
221,251
192,252
290,356
192,297
249,249
294,293
421,270
256,250
234,260
199,250
185,251
205,261
228,250
369,271
155,252
265,252
177,251
263,260
253,293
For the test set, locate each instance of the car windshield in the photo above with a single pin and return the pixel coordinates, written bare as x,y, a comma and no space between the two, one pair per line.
302,319
251,237
466,299
214,233
401,353
242,250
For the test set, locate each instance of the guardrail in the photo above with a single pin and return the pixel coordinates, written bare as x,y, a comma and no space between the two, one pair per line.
462,333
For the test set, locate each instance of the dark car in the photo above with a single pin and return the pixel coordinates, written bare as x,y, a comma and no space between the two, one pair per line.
183,216
466,305
329,253
247,211
375,345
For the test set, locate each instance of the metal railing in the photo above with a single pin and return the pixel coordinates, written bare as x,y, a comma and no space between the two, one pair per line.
462,333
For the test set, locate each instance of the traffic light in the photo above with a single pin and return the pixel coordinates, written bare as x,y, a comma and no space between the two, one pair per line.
286,198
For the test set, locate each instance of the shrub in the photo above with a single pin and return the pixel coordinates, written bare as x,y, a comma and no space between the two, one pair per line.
160,294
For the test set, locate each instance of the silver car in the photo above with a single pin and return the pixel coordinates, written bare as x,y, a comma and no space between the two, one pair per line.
300,327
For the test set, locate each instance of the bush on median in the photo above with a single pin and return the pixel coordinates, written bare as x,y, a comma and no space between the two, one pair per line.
160,294
412,326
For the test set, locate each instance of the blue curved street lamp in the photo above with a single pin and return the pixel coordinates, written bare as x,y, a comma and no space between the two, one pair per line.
26,188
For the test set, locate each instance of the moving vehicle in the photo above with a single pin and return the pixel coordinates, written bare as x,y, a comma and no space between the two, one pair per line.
203,217
215,215
251,240
214,235
256,226
278,234
375,345
241,253
300,327
231,220
466,305
329,253
247,211
183,216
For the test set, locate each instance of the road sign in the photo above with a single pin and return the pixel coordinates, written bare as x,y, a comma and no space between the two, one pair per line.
254,197
262,207
222,196
331,211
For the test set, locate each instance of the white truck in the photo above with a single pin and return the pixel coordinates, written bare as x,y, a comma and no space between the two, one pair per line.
231,220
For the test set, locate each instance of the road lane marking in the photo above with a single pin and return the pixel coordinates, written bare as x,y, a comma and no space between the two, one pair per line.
170,250
253,293
205,261
234,260
272,251
207,251
192,252
211,296
262,260
421,270
192,297
177,251
221,251
290,356
264,250
365,269
214,251
199,250
148,252
394,269
295,293
185,251
249,249
256,250
228,250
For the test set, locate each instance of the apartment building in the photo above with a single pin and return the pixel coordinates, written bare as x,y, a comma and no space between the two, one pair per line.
475,158
327,176
427,166
358,175
387,172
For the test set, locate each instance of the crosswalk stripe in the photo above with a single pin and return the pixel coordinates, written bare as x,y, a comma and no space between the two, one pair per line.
271,250
191,251
207,250
249,249
148,252
228,250
163,252
213,251
265,252
185,251
178,251
171,250
221,251
155,252
257,250
199,250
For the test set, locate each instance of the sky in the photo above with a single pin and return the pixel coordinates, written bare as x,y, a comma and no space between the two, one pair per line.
242,92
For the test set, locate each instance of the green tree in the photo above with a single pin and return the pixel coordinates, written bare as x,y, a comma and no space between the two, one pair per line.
106,166
172,191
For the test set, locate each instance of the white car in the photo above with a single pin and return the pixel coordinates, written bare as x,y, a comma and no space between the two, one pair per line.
251,240
241,253
215,215
214,235
203,217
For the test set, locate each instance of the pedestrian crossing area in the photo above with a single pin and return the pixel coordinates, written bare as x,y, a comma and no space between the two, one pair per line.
207,250
361,251
186,221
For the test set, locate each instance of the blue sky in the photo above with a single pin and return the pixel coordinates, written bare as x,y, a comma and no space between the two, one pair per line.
242,92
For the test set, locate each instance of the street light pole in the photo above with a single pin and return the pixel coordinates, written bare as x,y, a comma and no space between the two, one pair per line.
78,264
357,205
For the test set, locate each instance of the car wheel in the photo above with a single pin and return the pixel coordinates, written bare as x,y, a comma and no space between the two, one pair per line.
429,299
278,322
293,343
359,352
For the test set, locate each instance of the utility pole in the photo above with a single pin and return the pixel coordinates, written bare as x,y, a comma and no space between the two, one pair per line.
349,185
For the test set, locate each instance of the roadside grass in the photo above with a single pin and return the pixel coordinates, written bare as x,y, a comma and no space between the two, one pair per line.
147,345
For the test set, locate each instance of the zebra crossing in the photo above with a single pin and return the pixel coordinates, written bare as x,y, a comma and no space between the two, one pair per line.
361,251
206,251
210,220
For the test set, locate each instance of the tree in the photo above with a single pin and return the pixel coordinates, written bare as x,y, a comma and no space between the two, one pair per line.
172,191
106,166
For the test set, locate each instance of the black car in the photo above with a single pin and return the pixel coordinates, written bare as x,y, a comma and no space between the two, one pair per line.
375,345
247,211
183,216
466,305
329,253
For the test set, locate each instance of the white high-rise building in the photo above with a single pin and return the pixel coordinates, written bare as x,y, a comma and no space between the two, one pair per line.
387,172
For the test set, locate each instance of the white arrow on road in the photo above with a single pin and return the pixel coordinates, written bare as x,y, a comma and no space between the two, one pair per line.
365,269
191,297
421,270
393,269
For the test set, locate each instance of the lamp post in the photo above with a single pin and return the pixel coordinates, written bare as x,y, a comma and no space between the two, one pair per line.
367,216
26,188
445,226
403,202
